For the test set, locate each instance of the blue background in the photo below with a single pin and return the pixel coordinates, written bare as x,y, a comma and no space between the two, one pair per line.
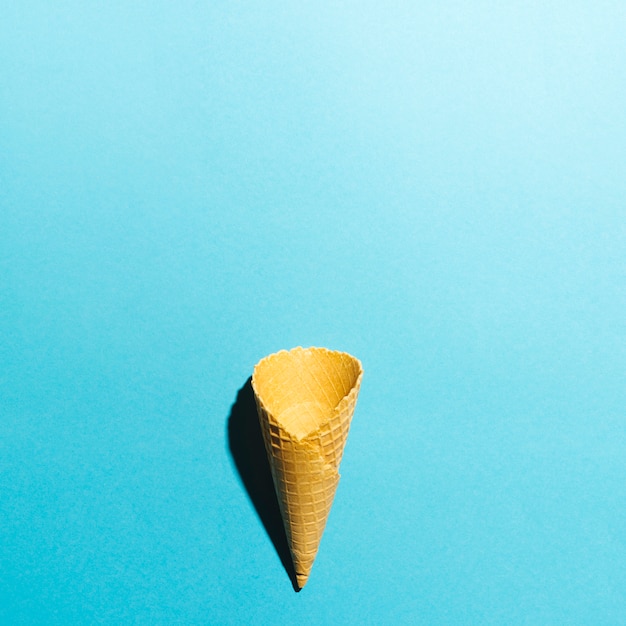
438,188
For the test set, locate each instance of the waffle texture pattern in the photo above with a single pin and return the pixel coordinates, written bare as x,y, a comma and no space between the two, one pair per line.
305,400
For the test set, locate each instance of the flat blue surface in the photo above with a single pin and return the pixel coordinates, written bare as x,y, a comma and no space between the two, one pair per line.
438,188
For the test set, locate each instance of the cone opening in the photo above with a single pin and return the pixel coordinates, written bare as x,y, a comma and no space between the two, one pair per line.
302,387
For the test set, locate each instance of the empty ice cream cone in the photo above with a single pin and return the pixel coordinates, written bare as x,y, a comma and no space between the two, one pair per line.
305,400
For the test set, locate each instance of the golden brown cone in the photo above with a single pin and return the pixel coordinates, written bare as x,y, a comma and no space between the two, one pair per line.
305,400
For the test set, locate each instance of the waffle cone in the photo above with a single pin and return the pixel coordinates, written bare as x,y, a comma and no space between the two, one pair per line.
305,400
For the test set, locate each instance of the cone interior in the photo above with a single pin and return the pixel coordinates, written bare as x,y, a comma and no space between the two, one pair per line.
302,388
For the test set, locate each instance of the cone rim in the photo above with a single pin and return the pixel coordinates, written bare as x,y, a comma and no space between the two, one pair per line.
352,394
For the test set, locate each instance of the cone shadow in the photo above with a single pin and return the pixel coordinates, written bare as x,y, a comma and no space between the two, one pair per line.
245,442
